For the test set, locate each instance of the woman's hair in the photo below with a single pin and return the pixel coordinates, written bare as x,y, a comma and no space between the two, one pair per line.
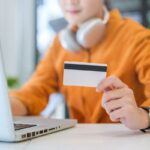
107,3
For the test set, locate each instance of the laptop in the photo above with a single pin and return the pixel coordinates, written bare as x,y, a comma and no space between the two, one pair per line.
16,129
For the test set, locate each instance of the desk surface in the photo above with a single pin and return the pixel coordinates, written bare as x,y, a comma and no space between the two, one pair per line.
87,137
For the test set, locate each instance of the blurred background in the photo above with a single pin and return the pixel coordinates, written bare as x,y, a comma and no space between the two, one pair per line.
26,31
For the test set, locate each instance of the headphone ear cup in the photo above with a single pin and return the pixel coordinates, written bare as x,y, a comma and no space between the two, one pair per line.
90,33
68,41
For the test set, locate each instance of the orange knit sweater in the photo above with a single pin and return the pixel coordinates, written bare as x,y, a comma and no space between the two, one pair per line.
125,49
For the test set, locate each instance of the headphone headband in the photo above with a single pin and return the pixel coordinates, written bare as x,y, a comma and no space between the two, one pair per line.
106,15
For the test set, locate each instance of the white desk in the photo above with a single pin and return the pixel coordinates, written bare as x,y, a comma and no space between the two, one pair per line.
87,137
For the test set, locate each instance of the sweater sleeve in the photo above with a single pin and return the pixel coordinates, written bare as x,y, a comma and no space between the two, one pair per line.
142,63
35,93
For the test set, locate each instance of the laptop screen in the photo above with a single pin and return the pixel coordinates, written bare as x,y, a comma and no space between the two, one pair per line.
6,121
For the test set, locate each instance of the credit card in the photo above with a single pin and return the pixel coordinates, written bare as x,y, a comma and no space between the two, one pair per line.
83,74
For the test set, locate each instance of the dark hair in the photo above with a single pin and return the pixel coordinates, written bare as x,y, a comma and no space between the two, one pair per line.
107,3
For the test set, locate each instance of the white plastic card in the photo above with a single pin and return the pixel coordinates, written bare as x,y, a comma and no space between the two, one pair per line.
83,74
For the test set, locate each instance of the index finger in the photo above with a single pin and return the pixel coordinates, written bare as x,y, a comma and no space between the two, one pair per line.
110,83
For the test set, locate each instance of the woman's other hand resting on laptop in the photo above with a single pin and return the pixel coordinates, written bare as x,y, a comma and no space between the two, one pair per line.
18,108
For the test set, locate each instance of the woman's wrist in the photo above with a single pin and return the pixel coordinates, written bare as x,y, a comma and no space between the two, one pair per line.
146,118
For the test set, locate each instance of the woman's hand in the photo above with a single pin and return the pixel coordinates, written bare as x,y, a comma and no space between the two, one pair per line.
119,102
18,108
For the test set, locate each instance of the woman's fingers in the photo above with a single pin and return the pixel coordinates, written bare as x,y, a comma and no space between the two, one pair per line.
110,83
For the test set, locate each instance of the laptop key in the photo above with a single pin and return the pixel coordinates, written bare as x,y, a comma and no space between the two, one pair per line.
23,126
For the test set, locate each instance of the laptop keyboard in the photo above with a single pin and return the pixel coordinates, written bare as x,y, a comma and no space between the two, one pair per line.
23,126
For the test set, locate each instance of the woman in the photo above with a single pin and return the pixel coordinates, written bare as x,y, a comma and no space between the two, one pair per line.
120,43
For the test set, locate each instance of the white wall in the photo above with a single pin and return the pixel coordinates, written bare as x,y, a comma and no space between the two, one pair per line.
17,36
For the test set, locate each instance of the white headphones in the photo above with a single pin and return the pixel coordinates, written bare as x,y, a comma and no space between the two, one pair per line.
88,34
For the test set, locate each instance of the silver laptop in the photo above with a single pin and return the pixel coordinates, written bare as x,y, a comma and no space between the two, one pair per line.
24,128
